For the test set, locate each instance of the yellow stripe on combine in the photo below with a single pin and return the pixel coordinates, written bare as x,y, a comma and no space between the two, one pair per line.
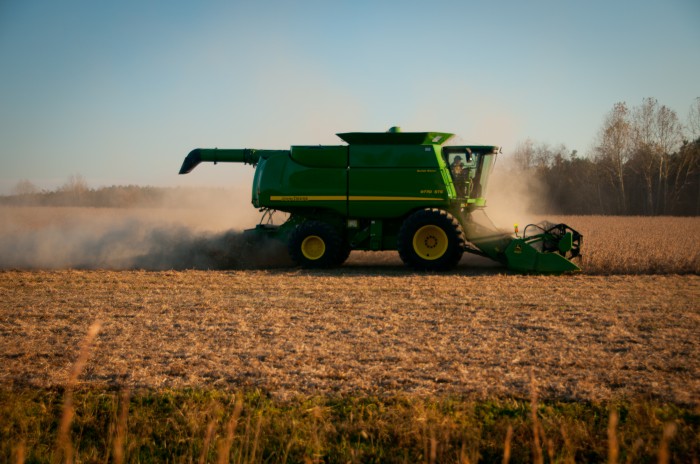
343,198
361,198
307,198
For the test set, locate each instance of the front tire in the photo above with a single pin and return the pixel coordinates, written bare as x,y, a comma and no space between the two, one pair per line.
431,240
314,245
343,254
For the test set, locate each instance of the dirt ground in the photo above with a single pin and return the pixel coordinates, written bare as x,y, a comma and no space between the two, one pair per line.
358,330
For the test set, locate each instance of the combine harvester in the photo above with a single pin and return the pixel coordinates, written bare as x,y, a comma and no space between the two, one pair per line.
394,190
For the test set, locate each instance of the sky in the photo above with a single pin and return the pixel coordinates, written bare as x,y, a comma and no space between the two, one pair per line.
120,92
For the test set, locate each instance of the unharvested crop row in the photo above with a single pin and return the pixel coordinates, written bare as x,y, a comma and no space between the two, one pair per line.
638,245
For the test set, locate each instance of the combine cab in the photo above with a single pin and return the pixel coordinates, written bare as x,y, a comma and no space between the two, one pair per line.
393,190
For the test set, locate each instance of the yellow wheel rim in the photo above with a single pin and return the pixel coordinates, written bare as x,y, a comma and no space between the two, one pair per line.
313,247
430,242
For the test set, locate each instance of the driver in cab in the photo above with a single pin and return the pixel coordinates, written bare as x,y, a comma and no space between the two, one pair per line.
457,165
459,175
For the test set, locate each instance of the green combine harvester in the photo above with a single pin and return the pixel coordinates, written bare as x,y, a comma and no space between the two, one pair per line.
394,190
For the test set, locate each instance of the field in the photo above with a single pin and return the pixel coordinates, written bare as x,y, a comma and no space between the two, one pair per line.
357,331
365,359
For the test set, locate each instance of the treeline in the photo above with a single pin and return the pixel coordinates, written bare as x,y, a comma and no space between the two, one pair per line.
644,162
75,192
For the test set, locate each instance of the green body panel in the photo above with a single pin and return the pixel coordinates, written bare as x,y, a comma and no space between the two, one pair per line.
321,156
394,156
389,181
374,194
366,190
358,181
283,184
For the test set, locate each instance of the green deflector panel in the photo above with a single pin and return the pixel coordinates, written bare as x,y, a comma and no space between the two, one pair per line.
376,193
393,156
321,156
392,180
284,184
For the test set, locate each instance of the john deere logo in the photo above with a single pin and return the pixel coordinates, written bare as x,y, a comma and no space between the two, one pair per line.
518,249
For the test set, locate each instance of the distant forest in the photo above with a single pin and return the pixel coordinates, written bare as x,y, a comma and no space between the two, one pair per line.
75,192
644,162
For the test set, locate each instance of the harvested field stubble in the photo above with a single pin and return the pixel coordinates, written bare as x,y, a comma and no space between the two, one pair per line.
355,331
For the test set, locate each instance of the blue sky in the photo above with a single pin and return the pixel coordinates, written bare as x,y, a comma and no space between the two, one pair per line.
119,92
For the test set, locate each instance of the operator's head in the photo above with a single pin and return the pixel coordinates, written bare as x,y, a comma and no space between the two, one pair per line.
457,160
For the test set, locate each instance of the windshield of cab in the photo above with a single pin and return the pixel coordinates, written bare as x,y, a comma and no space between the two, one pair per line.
462,163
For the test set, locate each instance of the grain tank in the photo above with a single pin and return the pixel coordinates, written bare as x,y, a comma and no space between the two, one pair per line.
404,191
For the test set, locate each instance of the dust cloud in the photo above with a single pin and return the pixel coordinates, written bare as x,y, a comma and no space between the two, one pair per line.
161,238
203,232
514,197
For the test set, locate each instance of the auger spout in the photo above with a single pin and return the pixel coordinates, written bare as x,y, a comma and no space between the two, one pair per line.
227,155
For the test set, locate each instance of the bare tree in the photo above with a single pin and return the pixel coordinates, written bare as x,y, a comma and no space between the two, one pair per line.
75,183
524,155
613,150
694,120
528,155
669,138
684,178
75,189
24,187
657,134
645,154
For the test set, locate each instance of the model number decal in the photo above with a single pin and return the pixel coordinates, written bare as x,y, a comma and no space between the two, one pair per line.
436,192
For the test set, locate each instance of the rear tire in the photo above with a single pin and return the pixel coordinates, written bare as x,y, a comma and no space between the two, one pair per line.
314,245
431,240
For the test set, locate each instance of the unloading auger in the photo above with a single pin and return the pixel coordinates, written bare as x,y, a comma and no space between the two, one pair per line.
394,190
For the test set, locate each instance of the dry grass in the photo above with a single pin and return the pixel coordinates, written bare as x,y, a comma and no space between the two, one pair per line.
220,426
355,331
